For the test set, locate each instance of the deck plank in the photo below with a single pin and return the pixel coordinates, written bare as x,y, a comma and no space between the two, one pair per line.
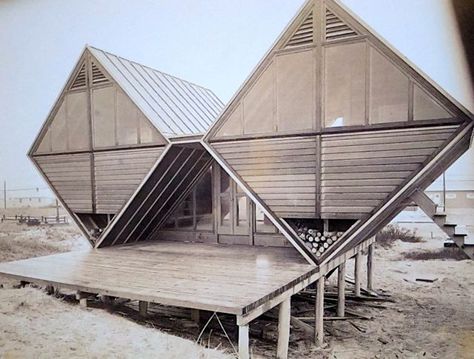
223,278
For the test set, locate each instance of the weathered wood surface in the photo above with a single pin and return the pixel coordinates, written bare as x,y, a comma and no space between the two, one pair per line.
369,166
282,171
115,178
228,279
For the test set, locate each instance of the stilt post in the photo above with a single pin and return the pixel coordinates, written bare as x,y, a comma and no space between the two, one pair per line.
143,308
319,313
341,289
195,315
357,270
370,267
244,347
284,316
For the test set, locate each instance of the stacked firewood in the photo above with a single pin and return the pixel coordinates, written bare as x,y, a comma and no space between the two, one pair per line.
318,241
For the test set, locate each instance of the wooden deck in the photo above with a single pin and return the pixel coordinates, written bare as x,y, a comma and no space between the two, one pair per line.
221,278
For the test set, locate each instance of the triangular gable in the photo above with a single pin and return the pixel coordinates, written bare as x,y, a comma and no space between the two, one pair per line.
115,119
321,47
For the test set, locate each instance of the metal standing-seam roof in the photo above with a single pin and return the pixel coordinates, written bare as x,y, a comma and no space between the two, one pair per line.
175,106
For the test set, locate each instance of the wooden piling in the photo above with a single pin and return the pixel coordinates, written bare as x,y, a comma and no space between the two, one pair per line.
319,313
357,271
370,266
284,316
143,308
244,347
341,289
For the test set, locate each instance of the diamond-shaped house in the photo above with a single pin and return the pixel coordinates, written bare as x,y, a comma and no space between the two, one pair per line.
234,209
108,128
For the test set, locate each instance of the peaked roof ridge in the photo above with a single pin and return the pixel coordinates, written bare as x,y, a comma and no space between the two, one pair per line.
175,106
154,69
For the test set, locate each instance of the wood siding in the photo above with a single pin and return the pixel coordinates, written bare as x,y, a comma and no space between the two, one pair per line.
70,175
118,174
360,170
281,171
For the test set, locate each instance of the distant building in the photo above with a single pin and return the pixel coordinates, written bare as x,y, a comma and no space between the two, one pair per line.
33,201
459,192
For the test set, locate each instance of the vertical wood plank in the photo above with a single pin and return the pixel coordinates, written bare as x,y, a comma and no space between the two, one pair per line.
370,267
143,308
341,289
195,315
244,350
319,313
357,270
284,315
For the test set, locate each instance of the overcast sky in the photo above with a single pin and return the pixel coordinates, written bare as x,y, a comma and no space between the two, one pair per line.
215,43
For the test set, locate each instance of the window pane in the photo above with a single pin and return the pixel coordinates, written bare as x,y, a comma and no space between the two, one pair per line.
224,181
225,210
242,212
258,104
204,216
103,104
77,121
426,108
127,121
184,214
388,90
295,91
263,223
345,85
59,130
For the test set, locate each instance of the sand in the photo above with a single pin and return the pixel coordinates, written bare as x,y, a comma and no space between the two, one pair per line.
428,320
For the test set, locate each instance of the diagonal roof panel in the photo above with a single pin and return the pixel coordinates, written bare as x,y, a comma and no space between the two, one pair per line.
175,106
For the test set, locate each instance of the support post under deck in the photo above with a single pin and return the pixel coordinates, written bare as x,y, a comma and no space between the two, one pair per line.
284,316
357,270
244,349
370,266
341,289
143,308
319,313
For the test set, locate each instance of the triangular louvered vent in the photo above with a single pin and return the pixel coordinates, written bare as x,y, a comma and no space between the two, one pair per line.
304,35
98,76
336,29
80,80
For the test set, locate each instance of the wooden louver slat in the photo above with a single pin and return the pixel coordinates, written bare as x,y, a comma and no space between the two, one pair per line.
336,29
80,80
98,77
303,35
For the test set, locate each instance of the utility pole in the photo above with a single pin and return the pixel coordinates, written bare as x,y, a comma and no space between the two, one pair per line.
57,211
444,192
5,194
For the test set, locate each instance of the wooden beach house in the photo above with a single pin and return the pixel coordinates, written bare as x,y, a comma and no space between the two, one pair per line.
235,208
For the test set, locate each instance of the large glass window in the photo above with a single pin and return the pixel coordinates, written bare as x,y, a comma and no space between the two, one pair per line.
195,212
262,222
389,89
203,199
344,85
225,201
234,207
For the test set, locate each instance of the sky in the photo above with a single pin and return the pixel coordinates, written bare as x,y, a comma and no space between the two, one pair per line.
215,43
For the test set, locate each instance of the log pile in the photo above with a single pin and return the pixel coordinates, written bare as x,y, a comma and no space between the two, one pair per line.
317,241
